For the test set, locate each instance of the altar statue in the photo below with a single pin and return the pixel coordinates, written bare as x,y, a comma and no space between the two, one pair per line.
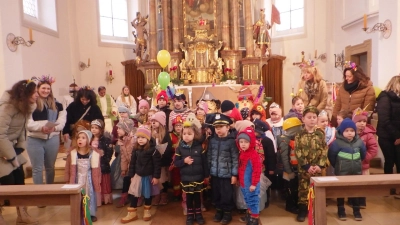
220,64
182,65
139,24
260,32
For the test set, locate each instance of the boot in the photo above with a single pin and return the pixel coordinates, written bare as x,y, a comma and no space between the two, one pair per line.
246,218
301,217
357,214
342,213
190,216
24,218
252,221
156,200
122,201
146,213
164,199
132,215
199,217
227,218
218,216
2,221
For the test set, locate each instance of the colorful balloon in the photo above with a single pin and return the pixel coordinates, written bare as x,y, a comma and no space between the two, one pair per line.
163,58
163,80
377,91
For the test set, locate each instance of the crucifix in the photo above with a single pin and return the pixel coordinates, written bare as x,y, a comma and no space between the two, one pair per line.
302,59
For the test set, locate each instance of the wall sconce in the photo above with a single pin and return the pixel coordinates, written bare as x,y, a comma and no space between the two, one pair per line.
109,73
385,28
83,66
13,42
339,60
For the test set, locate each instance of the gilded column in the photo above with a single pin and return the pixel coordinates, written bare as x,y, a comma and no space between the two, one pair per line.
175,26
249,29
165,16
225,24
152,30
235,24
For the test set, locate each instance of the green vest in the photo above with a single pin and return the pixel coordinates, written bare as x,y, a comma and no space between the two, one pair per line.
109,106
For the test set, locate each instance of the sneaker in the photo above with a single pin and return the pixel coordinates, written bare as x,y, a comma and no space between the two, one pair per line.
342,216
357,216
218,216
227,218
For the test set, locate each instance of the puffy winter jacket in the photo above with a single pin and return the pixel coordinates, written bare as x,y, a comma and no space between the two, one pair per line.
388,109
346,156
146,162
198,170
368,137
222,156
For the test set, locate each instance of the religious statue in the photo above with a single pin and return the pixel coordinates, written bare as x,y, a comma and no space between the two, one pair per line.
192,53
139,24
211,56
182,65
220,64
260,32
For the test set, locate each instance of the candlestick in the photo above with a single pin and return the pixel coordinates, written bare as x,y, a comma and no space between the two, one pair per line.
365,20
30,34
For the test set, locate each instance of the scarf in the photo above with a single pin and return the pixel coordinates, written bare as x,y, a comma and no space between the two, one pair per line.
180,110
350,87
311,89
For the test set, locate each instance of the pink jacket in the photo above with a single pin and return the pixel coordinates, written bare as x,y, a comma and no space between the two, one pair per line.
368,137
126,147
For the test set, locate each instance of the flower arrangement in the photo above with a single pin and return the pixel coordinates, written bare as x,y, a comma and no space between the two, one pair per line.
173,69
45,79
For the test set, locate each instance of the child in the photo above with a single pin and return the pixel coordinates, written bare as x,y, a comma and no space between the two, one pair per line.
102,144
341,116
141,117
161,136
297,108
125,143
367,134
201,111
192,161
150,113
276,120
258,112
222,154
163,105
345,155
175,136
287,156
83,167
144,170
249,174
310,148
180,108
323,123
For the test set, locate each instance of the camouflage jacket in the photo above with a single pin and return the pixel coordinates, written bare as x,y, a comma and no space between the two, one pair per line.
311,149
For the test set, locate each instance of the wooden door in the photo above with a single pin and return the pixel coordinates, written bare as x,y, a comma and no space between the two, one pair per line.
134,79
272,74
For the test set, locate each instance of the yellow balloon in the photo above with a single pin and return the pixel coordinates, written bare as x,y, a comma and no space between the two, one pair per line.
377,91
163,58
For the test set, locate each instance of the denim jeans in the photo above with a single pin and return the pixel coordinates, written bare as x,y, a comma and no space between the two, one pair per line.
43,153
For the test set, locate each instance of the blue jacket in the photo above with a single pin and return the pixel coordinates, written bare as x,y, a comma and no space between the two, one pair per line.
223,156
346,156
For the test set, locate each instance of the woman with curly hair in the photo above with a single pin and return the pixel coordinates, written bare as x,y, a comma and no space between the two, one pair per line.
127,100
16,106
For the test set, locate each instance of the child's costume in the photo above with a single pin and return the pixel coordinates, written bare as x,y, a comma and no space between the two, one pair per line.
175,172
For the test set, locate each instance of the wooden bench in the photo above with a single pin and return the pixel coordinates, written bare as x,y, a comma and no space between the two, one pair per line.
349,186
45,194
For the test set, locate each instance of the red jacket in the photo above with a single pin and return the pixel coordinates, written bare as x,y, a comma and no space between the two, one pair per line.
368,137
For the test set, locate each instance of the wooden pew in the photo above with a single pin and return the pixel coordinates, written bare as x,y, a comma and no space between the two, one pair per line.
349,186
45,194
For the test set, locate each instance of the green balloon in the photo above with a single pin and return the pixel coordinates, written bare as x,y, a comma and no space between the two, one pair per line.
163,80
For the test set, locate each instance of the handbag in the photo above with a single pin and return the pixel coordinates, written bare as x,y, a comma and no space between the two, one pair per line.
72,126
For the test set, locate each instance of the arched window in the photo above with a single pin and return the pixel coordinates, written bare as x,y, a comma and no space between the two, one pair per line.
40,15
291,16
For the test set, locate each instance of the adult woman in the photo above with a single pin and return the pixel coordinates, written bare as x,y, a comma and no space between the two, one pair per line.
356,91
388,129
44,127
84,107
15,107
314,91
127,100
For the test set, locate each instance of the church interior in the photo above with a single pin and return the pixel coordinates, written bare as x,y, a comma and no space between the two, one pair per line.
216,46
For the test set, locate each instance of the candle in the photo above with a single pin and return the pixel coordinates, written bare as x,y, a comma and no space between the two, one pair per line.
88,62
30,34
110,72
365,20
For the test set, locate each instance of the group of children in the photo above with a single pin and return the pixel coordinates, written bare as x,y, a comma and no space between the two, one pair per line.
193,150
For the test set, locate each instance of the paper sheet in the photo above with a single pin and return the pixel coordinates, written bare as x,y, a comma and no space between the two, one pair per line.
327,178
66,186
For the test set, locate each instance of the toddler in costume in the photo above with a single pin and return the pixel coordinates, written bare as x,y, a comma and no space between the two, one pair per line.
144,170
297,108
276,120
249,174
83,167
102,144
175,136
162,105
141,116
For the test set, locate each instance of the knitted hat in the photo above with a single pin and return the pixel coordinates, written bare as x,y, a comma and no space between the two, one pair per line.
162,95
143,131
347,123
243,136
235,114
159,117
242,124
226,106
202,105
259,109
359,115
89,134
144,103
123,109
221,119
244,112
126,125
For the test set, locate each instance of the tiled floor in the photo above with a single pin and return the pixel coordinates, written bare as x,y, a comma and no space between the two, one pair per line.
379,211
